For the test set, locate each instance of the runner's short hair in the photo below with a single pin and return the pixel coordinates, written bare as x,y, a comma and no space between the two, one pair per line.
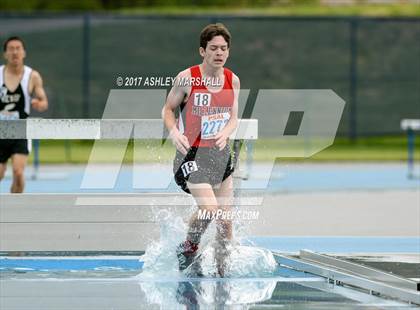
13,38
212,30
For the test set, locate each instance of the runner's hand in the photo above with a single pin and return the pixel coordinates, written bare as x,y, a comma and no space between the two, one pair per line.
36,104
180,141
221,140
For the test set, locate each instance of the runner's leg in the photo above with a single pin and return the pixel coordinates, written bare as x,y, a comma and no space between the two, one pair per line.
206,201
2,170
224,196
18,165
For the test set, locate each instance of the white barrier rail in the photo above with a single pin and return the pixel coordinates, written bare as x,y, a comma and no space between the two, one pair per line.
88,129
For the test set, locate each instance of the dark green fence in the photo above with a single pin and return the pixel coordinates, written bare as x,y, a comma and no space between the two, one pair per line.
372,63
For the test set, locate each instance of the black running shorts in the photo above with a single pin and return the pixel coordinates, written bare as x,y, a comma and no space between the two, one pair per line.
202,165
8,147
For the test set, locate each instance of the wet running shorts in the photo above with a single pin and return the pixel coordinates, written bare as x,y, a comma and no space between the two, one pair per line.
202,165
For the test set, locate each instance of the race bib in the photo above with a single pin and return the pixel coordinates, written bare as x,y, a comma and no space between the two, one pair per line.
189,167
202,99
8,116
212,124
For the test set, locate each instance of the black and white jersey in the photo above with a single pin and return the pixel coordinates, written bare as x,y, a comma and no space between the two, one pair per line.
15,104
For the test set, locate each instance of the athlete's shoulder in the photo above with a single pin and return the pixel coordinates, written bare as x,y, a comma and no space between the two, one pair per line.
184,73
179,85
233,77
35,75
230,72
235,80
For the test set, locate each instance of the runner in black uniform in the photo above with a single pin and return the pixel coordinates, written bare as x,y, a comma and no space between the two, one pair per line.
201,133
20,88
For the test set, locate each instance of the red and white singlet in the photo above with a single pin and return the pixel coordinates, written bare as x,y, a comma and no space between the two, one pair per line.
205,113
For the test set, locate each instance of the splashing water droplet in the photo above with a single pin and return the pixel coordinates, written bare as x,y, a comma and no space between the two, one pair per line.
160,257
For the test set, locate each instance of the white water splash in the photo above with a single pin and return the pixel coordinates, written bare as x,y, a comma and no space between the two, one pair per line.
164,285
160,259
242,262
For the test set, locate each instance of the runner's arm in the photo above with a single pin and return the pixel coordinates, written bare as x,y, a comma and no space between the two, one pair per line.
175,97
222,137
39,97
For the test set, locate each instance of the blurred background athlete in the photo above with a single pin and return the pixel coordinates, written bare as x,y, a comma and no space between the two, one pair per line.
20,89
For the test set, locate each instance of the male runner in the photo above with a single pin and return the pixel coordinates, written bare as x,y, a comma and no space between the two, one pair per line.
207,96
20,88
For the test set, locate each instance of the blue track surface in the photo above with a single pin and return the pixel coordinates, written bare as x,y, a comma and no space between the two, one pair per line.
340,244
66,264
279,244
344,178
284,179
90,264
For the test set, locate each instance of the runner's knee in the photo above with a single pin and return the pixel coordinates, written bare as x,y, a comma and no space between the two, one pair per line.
18,173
